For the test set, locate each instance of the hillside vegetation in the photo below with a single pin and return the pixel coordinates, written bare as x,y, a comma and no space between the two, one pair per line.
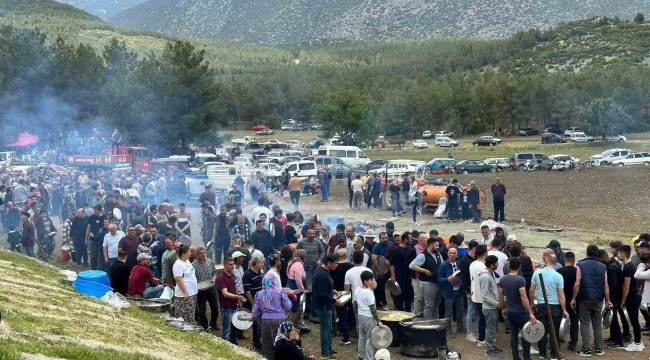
42,316
467,85
325,21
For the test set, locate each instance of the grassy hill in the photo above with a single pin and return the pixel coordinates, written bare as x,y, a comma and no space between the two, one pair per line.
48,7
324,21
42,316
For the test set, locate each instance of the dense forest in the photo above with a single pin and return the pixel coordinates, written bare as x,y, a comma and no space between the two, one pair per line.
58,74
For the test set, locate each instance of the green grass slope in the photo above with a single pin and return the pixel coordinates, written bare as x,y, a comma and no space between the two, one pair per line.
42,316
49,7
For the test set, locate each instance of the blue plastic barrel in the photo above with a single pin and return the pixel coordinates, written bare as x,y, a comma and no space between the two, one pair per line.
91,288
95,276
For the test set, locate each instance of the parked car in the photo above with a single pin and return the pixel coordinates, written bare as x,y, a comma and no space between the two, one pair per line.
304,168
634,159
259,127
427,134
420,144
255,148
581,137
520,159
552,138
441,165
264,132
445,141
609,156
572,130
315,144
560,162
295,127
316,126
528,131
342,171
619,138
373,165
553,130
486,141
472,166
444,133
270,170
398,168
498,164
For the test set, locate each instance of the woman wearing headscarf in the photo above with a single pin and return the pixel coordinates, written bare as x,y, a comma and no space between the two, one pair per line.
287,343
297,280
186,285
271,305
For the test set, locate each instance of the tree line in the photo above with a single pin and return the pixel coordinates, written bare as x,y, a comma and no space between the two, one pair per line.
186,92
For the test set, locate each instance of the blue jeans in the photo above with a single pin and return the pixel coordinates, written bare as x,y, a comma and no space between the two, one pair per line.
472,323
153,292
325,331
111,261
228,333
325,191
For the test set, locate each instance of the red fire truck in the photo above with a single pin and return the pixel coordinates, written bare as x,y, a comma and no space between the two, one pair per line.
127,158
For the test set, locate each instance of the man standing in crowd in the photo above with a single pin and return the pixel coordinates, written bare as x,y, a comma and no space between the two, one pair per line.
631,299
205,271
427,264
475,270
324,178
375,190
449,282
381,268
498,200
78,235
262,239
399,273
252,282
568,272
617,338
356,187
590,289
221,234
110,245
323,299
338,276
129,243
554,284
516,308
295,187
490,305
418,301
557,250
466,289
229,300
94,240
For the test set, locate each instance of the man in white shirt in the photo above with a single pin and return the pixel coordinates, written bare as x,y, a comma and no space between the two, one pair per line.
475,269
494,250
487,235
238,272
110,244
261,209
357,193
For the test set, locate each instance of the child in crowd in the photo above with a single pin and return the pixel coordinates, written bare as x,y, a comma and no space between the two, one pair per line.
367,312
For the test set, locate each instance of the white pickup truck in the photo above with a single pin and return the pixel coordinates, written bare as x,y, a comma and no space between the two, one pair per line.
243,142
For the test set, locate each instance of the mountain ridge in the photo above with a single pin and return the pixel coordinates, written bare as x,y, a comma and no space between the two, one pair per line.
103,9
320,21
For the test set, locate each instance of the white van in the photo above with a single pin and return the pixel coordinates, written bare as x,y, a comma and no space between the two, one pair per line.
306,169
350,155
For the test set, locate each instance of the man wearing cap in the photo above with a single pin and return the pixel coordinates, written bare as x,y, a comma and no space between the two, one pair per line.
28,235
205,272
557,250
142,282
110,245
239,270
369,240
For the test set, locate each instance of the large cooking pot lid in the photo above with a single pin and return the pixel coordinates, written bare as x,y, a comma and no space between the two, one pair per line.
381,337
343,298
607,318
239,319
394,288
565,325
533,332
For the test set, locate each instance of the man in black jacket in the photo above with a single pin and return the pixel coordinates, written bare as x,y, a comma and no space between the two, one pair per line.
323,295
615,284
262,239
78,236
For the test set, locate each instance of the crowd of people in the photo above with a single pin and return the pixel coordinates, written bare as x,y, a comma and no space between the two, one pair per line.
265,261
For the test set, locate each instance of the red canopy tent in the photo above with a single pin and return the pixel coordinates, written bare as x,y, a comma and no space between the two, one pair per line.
24,139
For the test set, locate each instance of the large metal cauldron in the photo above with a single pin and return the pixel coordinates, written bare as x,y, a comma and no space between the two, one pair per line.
392,319
423,338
